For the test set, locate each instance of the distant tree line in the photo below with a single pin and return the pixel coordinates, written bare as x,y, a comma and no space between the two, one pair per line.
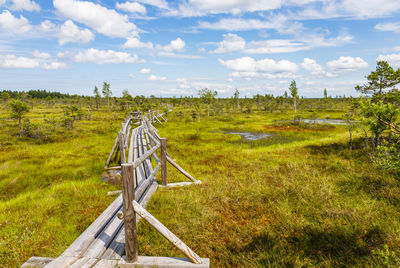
38,94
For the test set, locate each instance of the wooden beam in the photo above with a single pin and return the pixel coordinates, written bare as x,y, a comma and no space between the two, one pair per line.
178,167
179,184
128,195
112,152
121,147
166,233
164,175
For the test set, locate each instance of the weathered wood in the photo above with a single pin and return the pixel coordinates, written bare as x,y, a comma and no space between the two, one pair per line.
158,120
143,157
112,152
113,168
164,175
141,174
117,248
147,163
114,193
166,233
37,262
128,194
121,147
178,167
80,245
164,262
131,145
180,184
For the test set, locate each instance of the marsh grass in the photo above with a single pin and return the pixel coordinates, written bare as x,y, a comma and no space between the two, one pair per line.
304,200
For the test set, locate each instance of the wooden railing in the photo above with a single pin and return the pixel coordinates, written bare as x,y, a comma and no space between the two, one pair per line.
144,133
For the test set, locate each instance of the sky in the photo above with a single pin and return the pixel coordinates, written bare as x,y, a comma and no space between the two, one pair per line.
176,48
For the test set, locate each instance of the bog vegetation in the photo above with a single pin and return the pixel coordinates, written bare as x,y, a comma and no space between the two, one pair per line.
307,195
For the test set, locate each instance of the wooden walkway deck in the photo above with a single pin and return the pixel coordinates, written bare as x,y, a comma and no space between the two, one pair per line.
102,244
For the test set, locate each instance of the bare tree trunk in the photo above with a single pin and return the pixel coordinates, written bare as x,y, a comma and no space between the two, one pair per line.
20,128
351,141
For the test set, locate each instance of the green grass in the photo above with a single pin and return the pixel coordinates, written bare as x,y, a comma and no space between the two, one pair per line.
300,199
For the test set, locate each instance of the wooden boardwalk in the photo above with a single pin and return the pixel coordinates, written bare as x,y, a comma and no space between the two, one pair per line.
103,243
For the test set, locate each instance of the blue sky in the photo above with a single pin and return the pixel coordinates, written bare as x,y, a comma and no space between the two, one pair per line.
174,48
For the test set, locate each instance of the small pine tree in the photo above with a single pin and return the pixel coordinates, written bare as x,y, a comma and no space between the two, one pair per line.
18,109
293,92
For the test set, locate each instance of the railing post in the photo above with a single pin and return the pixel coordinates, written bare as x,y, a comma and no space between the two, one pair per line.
128,195
121,142
164,176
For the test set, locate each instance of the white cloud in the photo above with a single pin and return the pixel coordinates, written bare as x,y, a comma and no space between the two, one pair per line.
248,64
156,78
145,71
12,61
39,60
236,24
96,56
47,26
133,7
134,42
276,46
280,23
156,3
27,5
345,64
392,59
103,20
314,68
14,25
55,65
388,27
2,2
231,42
263,75
204,7
41,55
175,45
70,33
359,9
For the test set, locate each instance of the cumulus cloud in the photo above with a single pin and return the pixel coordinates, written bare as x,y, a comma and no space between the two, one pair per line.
102,20
350,8
47,26
175,45
280,23
231,42
54,65
132,7
204,7
345,64
248,64
96,56
134,42
392,59
14,25
156,78
70,33
27,5
12,61
39,60
314,68
145,71
41,55
388,27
